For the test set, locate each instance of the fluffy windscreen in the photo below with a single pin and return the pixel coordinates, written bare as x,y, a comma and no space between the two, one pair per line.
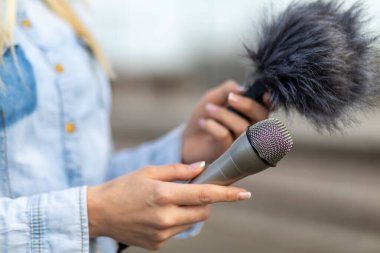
270,139
317,58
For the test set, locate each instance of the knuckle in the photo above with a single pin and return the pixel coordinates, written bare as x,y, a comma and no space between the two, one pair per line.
164,221
204,197
161,237
161,195
144,169
180,169
149,169
231,196
177,166
224,134
230,83
209,94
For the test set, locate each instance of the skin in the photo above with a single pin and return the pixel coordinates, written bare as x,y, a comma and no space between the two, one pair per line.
146,208
212,128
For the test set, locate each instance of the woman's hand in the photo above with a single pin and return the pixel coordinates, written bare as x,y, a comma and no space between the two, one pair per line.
145,208
212,127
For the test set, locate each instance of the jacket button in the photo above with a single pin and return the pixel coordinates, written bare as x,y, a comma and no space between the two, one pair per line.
59,68
26,23
70,127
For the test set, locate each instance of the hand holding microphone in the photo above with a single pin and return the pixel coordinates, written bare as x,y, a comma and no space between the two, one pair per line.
212,128
171,208
147,207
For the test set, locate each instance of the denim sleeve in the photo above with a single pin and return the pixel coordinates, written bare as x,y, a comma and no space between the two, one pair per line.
165,150
51,222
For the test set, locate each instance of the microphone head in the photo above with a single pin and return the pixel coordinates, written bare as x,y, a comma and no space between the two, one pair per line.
270,139
317,58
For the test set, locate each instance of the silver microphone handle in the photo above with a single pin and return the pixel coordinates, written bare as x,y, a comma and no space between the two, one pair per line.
239,161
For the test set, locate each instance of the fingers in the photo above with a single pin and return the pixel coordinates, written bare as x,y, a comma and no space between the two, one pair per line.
173,172
175,216
229,119
193,214
225,125
217,130
252,109
186,216
219,94
193,194
165,235
266,100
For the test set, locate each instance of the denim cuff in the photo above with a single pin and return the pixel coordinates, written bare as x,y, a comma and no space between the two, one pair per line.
58,221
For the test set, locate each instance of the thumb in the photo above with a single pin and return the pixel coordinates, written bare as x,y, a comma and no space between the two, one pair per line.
173,172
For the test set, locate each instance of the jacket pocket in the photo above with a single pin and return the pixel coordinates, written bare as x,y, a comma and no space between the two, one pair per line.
18,94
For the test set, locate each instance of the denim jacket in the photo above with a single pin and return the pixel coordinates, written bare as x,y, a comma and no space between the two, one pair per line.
55,137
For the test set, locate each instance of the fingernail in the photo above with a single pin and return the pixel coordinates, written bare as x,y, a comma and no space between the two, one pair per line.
197,165
241,88
211,108
202,123
266,99
244,195
233,97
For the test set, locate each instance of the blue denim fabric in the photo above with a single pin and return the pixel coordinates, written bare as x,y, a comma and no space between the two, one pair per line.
19,99
45,168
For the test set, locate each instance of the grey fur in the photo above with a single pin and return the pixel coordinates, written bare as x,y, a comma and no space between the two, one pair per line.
318,59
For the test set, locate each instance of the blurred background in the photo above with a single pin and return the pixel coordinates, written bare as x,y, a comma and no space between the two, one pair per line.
323,197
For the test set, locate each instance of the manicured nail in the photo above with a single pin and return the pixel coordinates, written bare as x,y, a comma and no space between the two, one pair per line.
233,97
241,88
197,165
202,123
244,195
211,108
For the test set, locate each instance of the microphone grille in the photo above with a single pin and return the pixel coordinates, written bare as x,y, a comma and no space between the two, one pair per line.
270,139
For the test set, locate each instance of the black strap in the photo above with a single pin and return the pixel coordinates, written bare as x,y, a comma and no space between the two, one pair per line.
122,247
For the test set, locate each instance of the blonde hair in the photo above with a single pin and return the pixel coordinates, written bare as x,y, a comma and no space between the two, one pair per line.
63,9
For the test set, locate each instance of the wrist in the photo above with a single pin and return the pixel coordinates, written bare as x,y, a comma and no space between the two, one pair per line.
94,210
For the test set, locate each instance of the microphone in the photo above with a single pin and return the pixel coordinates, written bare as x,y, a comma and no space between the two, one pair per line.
317,58
262,146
